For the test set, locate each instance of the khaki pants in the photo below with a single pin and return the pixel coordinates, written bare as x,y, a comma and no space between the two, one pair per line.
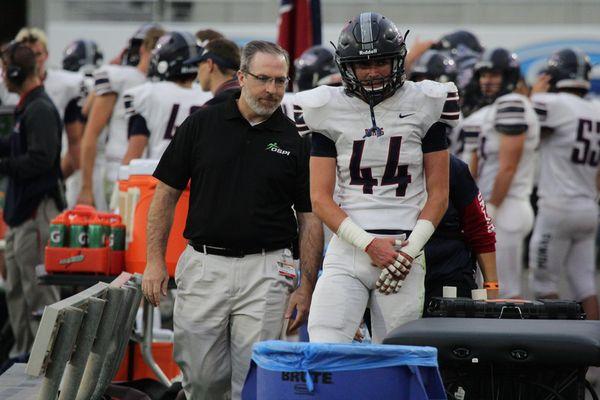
24,252
223,306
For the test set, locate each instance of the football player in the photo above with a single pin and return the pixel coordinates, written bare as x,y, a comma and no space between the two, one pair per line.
156,109
82,56
386,137
465,235
567,220
505,161
315,67
435,66
465,49
66,90
108,110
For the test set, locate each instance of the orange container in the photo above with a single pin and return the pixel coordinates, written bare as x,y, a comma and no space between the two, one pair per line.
163,355
142,187
123,183
77,260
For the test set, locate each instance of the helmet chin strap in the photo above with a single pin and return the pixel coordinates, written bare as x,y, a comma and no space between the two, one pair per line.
374,128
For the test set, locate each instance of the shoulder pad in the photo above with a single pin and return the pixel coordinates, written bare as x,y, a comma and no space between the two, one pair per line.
314,98
543,97
512,97
436,89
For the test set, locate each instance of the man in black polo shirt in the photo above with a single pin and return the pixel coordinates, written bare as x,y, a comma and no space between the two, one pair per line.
249,173
30,158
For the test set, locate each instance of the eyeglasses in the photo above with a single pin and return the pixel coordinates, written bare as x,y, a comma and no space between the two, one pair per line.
279,81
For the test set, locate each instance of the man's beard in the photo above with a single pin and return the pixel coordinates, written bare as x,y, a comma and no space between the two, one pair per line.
259,109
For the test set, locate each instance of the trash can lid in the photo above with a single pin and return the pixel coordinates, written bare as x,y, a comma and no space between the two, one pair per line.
277,355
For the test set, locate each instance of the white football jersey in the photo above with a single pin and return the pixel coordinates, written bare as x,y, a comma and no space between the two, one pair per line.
164,106
116,79
287,105
63,88
380,174
509,113
570,154
465,135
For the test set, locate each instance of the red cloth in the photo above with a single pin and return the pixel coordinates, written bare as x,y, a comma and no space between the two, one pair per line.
295,27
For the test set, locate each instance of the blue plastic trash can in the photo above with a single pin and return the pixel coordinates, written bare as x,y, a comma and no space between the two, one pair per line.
287,371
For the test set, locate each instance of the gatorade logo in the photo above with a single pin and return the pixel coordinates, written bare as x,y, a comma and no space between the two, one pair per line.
82,238
111,240
55,236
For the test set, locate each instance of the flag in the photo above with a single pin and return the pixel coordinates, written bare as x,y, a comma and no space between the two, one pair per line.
299,26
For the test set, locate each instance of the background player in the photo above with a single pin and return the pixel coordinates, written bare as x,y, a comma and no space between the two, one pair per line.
108,110
505,161
156,109
567,220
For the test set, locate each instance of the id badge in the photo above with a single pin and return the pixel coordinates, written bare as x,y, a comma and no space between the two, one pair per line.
285,266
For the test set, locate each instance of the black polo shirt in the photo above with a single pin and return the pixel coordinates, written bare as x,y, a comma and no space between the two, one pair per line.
244,179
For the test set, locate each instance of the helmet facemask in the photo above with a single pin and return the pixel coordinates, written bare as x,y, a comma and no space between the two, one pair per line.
373,91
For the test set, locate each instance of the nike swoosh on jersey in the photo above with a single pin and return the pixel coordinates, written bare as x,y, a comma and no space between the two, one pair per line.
405,115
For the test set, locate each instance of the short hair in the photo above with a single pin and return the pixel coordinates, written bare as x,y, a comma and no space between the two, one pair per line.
30,35
152,37
226,50
206,35
261,46
20,55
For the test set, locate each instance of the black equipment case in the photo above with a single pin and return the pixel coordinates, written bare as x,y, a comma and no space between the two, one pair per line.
501,359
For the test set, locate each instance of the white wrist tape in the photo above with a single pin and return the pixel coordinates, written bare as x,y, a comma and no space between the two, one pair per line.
354,234
419,236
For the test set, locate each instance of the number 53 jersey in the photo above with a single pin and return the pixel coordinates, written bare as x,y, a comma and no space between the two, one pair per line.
380,177
570,147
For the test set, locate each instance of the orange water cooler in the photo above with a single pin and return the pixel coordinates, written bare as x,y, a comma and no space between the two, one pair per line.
141,186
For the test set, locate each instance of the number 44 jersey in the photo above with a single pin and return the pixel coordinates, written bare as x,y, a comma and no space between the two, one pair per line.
570,150
380,174
156,109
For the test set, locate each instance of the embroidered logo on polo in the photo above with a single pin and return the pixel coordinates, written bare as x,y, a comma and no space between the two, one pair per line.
276,149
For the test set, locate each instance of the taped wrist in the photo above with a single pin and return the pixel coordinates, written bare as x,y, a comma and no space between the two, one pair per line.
420,235
354,234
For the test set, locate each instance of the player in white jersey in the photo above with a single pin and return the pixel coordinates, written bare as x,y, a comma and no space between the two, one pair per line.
156,109
108,110
567,220
387,140
505,160
84,57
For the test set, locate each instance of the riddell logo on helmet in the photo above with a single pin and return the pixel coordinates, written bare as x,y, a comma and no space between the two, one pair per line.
366,52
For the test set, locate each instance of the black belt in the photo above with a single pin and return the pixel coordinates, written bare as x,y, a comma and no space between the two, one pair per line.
229,252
